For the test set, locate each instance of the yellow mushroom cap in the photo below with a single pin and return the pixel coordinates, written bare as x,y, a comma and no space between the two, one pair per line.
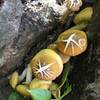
72,42
46,65
64,58
23,90
14,79
84,15
36,83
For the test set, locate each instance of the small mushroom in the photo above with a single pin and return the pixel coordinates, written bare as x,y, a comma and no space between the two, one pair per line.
36,83
72,42
73,5
84,15
23,75
23,90
14,79
28,74
46,65
64,58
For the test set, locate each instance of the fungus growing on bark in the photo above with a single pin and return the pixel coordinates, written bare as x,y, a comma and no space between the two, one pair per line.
47,65
72,42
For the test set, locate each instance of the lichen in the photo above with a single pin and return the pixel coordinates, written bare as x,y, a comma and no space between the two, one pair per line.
43,8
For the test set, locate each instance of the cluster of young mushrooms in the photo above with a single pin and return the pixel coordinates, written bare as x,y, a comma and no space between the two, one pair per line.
47,64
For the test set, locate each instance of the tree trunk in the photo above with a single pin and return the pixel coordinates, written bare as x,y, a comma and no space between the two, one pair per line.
23,33
21,28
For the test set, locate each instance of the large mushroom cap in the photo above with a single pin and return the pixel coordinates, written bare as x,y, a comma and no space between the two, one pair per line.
47,65
84,15
72,42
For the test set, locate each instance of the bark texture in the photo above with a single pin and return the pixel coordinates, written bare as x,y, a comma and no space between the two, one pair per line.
23,33
21,28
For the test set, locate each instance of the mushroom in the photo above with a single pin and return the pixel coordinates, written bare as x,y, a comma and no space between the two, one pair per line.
36,83
73,5
72,42
14,79
84,15
23,90
64,58
46,65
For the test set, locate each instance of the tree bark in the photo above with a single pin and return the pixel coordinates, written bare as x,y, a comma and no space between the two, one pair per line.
20,29
22,34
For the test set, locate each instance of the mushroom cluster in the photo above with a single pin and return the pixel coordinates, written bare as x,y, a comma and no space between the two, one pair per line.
47,64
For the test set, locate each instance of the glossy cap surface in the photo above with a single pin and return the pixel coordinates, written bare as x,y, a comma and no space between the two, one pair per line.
72,42
47,65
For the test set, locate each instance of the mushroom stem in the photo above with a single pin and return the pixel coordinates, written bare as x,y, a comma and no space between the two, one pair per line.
28,74
64,58
23,74
79,26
